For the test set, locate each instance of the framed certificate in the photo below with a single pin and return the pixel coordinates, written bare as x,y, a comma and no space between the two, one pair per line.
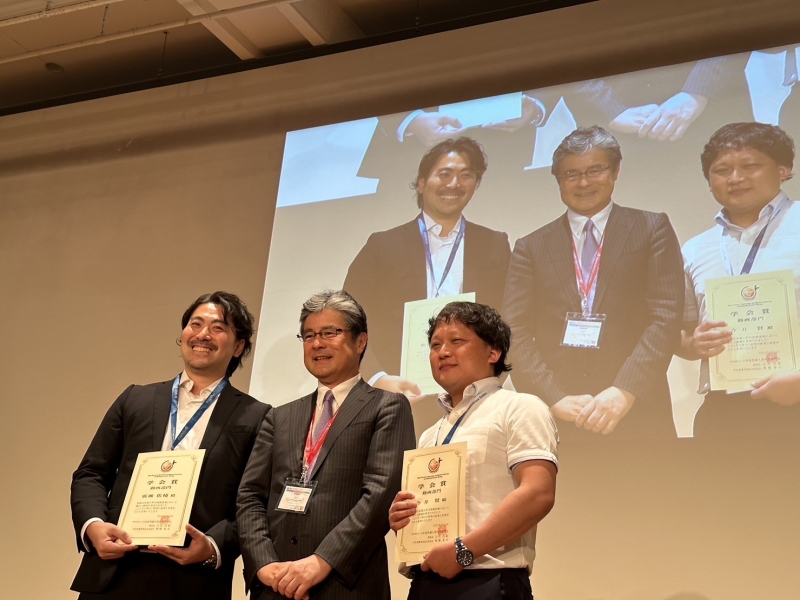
436,477
761,311
414,361
160,497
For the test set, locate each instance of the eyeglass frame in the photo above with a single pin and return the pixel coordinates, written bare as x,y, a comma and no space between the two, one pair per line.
336,332
576,176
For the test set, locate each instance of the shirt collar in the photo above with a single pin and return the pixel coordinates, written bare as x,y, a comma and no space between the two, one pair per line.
187,384
479,389
766,212
340,392
436,229
578,222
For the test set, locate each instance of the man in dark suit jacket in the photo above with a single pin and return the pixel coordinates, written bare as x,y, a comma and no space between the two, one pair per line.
617,382
344,443
392,268
216,335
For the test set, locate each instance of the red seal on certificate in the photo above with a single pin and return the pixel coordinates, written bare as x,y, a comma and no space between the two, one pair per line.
441,530
164,520
772,358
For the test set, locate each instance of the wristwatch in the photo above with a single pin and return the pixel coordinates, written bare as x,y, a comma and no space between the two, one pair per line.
211,561
463,556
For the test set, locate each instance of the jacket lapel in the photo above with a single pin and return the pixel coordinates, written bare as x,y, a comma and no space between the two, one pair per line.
356,400
559,249
614,238
413,253
162,398
227,402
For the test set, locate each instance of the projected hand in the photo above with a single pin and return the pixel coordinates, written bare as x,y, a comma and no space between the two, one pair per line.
199,549
533,113
632,119
399,385
673,117
430,128
108,540
605,410
402,509
569,407
709,338
780,388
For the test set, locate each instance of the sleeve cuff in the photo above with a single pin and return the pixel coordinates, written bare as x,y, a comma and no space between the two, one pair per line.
86,545
401,130
374,379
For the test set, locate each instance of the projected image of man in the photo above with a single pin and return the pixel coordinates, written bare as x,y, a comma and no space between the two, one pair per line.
594,300
439,253
757,230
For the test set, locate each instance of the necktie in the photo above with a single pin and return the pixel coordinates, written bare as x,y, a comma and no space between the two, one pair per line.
589,249
324,418
790,68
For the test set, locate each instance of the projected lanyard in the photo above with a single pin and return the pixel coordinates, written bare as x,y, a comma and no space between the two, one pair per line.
426,242
751,256
583,329
177,438
297,492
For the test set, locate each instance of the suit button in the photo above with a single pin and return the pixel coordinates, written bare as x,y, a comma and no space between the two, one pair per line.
294,540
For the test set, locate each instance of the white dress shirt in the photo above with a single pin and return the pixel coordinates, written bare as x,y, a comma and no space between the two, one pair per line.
340,393
441,246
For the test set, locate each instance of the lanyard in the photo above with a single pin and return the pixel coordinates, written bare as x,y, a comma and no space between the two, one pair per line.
426,242
173,411
452,431
751,256
587,288
312,450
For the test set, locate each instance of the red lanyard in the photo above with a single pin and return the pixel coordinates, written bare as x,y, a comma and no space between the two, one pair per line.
312,450
587,287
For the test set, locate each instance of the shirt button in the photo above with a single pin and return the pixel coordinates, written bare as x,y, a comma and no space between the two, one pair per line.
294,540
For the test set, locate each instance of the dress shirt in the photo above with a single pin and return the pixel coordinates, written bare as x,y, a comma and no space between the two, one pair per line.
441,246
704,258
340,393
765,72
578,222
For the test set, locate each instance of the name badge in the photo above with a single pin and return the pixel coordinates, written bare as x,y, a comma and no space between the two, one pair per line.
296,496
583,331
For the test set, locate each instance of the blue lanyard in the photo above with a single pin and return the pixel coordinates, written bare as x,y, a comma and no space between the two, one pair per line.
450,434
424,233
173,411
751,256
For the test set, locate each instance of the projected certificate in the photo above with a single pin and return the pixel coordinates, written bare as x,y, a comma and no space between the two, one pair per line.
414,362
160,496
761,311
436,477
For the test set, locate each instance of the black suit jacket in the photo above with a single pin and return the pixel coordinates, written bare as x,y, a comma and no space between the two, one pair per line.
358,473
137,422
390,270
640,288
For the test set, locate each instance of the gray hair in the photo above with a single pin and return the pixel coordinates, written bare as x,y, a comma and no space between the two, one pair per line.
354,316
586,139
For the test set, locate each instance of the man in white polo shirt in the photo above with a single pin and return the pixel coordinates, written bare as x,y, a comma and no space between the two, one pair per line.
511,467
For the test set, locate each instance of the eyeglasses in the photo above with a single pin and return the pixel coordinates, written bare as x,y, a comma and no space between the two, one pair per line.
595,172
328,333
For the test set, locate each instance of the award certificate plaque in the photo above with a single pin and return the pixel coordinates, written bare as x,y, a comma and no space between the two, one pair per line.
160,496
761,311
436,477
414,361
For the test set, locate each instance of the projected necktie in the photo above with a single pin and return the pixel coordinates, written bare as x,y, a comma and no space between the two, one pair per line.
589,249
324,418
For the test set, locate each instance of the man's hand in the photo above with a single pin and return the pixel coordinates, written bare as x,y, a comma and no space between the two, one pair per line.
442,560
709,338
199,550
606,410
402,509
569,407
108,540
780,388
673,117
272,573
632,119
398,385
430,128
532,113
301,575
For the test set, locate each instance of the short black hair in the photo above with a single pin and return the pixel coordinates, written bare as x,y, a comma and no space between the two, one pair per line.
768,139
235,313
465,146
485,321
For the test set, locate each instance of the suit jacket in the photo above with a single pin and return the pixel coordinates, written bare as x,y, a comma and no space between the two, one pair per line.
135,423
390,270
358,473
640,288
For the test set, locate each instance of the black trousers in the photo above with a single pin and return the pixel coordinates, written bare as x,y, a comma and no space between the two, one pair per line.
471,584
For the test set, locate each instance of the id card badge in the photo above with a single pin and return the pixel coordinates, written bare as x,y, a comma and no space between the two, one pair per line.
296,496
583,331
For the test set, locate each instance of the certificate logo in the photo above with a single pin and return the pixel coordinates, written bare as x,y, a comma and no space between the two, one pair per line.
749,292
167,465
434,464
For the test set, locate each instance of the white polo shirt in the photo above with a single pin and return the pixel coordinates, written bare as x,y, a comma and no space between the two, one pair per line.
502,429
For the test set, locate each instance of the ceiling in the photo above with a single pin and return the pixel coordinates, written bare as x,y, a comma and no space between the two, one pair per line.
58,51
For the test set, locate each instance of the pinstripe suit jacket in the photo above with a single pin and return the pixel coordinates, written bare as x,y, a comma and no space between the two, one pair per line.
640,288
358,473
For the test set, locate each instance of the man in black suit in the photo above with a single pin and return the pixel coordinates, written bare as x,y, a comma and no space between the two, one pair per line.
324,470
410,262
595,299
216,336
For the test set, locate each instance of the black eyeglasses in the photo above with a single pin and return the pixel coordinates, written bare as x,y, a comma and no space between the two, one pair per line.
328,333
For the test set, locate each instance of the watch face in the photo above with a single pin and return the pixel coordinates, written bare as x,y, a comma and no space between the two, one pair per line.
464,558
